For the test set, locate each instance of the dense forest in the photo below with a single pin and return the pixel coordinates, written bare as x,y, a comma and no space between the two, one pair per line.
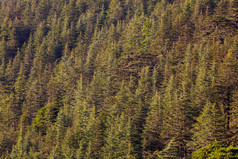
110,79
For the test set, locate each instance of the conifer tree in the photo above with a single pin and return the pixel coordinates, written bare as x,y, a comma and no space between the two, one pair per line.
98,139
38,35
35,98
117,79
124,101
60,128
156,80
42,10
18,149
211,129
8,134
170,151
132,38
27,16
2,72
22,147
19,93
168,103
152,140
3,50
234,118
99,89
205,77
177,114
10,75
67,151
115,12
227,80
28,56
142,97
39,62
117,142
146,33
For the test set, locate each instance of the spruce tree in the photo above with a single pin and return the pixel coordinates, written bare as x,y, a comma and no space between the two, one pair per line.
234,118
227,80
3,50
117,142
170,151
142,101
152,140
210,126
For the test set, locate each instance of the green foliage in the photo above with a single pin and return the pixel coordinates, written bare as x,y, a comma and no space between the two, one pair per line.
117,79
216,151
146,33
45,116
39,123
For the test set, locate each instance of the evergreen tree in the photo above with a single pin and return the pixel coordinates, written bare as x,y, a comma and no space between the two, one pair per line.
152,140
211,129
21,149
19,95
99,89
142,97
60,129
35,98
115,12
233,118
3,50
170,151
117,142
117,79
227,80
124,101
28,56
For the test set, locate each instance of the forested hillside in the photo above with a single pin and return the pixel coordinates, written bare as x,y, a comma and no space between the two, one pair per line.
110,79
